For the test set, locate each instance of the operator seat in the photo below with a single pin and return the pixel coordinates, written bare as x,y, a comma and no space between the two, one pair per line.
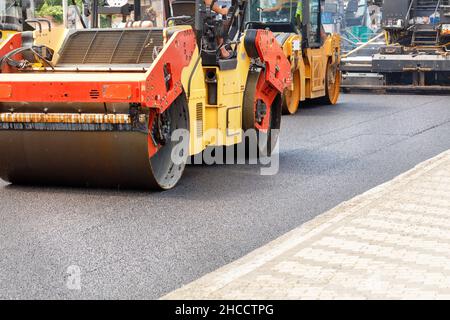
184,8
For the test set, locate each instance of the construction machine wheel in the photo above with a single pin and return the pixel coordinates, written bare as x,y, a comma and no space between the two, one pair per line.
77,155
167,172
291,98
332,84
266,120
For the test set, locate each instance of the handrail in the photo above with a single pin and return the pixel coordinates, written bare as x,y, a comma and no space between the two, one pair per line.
348,40
38,22
437,6
409,11
352,35
363,45
35,21
435,12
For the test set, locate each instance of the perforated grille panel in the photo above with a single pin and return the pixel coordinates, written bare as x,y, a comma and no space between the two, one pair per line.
107,46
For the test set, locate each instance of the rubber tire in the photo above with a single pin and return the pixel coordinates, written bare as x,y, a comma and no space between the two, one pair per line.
290,110
275,125
166,173
267,148
331,96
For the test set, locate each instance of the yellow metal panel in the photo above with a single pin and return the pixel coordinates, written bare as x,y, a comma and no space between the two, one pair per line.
317,67
194,87
234,121
292,49
52,39
215,125
223,121
230,85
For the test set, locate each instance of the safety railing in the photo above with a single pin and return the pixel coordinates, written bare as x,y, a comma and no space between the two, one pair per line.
436,12
408,14
371,41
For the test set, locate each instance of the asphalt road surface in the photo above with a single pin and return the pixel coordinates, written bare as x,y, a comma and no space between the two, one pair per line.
130,244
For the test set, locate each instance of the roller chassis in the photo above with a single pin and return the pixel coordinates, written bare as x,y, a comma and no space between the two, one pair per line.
54,121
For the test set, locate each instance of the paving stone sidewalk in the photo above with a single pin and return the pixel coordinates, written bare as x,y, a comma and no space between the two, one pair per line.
392,242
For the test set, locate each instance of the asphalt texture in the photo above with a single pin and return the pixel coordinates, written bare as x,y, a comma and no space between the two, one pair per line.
134,244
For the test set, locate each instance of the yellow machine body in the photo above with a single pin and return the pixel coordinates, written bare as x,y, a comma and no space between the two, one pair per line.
314,55
218,124
311,68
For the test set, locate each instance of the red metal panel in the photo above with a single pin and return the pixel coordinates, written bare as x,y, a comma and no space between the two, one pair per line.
5,91
65,91
278,68
275,78
163,84
266,93
161,87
